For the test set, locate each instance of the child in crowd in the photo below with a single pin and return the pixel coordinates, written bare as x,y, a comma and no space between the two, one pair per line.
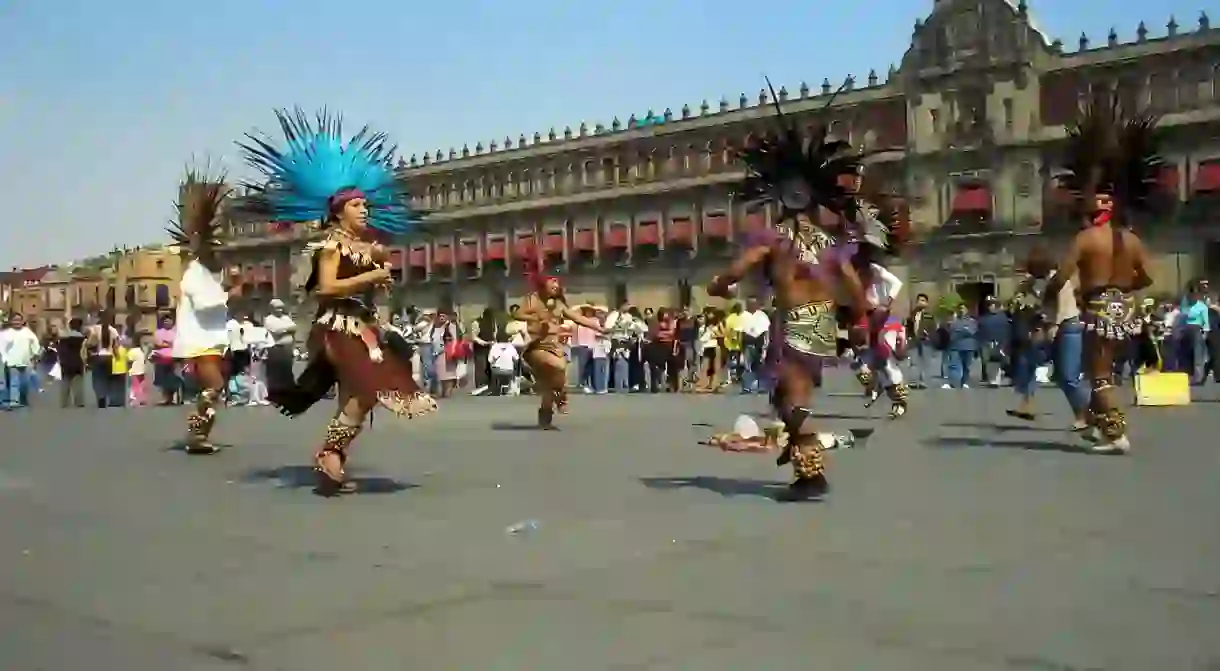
137,362
503,358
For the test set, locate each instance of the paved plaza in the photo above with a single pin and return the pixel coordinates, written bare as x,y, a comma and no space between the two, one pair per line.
956,540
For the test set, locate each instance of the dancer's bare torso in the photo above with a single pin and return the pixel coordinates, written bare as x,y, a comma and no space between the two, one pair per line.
790,263
1107,257
543,319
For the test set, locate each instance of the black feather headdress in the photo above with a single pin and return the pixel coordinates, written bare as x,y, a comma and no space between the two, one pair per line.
1112,152
201,201
798,171
881,219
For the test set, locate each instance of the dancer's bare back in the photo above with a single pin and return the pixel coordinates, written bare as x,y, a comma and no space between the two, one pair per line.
1103,256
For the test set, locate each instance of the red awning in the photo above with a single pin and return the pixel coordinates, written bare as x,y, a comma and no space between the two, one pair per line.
418,257
972,198
497,249
555,242
618,237
756,220
681,230
585,240
1207,177
443,256
524,246
396,258
647,233
716,225
468,251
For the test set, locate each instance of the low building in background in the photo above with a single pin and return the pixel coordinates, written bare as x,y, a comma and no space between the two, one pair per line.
135,285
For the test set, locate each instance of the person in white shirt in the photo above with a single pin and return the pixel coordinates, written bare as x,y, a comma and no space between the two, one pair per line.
137,363
282,329
6,334
755,329
237,329
599,353
202,316
503,359
880,338
258,341
21,350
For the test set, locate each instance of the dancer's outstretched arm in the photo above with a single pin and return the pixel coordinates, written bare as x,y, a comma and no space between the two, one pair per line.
721,285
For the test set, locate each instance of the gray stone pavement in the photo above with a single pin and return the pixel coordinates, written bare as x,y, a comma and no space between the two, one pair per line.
947,544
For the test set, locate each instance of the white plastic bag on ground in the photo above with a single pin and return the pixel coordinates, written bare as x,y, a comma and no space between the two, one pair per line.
746,427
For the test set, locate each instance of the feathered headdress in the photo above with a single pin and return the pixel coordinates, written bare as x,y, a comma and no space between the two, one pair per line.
798,171
534,269
199,223
1113,153
881,219
318,169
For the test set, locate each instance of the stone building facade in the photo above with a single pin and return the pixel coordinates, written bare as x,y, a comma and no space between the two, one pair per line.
968,128
136,285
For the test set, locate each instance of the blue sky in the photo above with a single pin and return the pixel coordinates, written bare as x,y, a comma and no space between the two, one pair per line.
103,103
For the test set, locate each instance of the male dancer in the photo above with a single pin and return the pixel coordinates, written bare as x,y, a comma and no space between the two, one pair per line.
878,340
883,336
809,274
201,333
1113,170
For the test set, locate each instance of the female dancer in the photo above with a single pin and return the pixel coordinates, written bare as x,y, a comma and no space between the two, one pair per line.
201,335
350,187
544,312
807,272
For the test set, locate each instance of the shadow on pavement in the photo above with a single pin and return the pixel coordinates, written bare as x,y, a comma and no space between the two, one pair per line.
304,477
956,442
510,426
838,415
995,426
180,446
728,487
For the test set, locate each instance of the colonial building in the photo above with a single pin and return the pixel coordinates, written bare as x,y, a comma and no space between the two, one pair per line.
19,290
968,128
136,285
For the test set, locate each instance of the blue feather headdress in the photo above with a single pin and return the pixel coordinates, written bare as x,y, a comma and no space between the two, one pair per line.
315,163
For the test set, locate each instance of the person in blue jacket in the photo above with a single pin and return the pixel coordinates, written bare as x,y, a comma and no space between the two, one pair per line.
963,347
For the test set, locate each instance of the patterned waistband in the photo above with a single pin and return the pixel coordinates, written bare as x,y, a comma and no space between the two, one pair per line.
811,329
810,311
344,323
1108,299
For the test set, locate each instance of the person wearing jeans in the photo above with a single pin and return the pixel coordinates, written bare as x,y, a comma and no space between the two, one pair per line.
756,326
921,326
1067,332
963,346
1025,362
600,362
20,356
581,370
1069,369
1196,318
